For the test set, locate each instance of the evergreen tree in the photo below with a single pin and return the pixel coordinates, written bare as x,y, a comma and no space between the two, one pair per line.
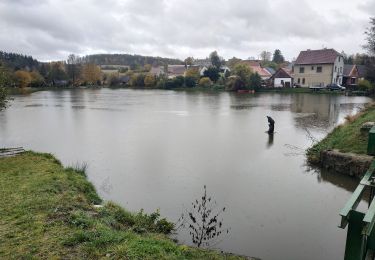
278,57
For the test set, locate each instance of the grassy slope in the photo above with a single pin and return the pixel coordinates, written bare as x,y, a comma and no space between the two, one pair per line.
346,137
46,212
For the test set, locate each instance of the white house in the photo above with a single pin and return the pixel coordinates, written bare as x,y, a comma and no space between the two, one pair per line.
281,79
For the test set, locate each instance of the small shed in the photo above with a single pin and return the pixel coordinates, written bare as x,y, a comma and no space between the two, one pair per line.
281,79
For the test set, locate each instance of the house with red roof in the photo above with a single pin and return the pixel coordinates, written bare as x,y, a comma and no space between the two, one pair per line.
318,68
256,67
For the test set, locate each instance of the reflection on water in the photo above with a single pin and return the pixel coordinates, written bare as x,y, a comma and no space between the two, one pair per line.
155,149
270,140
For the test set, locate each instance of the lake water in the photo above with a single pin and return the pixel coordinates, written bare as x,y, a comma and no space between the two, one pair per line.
157,149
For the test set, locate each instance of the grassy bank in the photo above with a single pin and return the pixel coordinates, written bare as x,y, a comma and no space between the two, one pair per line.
346,137
299,90
46,211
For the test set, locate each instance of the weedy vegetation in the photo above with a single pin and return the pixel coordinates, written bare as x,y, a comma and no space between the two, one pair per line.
48,212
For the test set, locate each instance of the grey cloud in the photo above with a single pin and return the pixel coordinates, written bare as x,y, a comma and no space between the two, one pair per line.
52,29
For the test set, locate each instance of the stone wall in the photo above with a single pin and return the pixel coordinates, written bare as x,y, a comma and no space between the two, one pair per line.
345,163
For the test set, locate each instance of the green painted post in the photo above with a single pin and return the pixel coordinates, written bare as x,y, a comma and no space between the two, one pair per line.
355,245
371,141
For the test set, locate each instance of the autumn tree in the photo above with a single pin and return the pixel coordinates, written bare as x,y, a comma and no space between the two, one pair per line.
193,73
278,57
149,81
23,78
244,72
147,67
91,74
37,80
205,82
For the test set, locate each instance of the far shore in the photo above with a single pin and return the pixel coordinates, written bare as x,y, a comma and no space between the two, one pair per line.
214,88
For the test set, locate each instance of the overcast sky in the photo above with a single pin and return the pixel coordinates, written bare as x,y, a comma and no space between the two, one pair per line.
52,29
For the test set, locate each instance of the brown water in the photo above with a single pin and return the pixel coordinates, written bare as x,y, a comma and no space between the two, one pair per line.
156,149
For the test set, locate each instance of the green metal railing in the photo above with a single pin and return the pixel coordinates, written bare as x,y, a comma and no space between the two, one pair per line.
360,239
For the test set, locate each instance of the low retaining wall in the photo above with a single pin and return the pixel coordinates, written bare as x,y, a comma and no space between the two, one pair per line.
345,163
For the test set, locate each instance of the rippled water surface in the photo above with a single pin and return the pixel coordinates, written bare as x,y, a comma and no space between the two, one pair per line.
156,149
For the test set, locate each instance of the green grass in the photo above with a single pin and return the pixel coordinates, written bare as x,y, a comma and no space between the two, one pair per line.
46,211
298,90
346,137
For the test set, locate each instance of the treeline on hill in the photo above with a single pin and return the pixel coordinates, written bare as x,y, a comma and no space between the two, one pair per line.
17,70
133,61
18,61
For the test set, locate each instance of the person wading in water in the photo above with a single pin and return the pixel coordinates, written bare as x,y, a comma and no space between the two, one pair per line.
271,125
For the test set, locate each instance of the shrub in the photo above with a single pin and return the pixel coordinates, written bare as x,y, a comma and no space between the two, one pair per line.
365,85
190,82
234,83
213,73
255,81
179,81
175,83
205,82
138,80
139,222
150,81
113,79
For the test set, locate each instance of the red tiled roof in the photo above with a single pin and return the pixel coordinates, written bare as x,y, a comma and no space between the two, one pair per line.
324,56
254,65
261,71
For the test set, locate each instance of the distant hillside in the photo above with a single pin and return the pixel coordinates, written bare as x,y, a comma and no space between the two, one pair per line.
18,61
129,60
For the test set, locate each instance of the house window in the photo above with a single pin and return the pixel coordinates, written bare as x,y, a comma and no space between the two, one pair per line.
340,69
339,59
352,81
335,68
299,81
303,81
302,70
312,67
319,69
